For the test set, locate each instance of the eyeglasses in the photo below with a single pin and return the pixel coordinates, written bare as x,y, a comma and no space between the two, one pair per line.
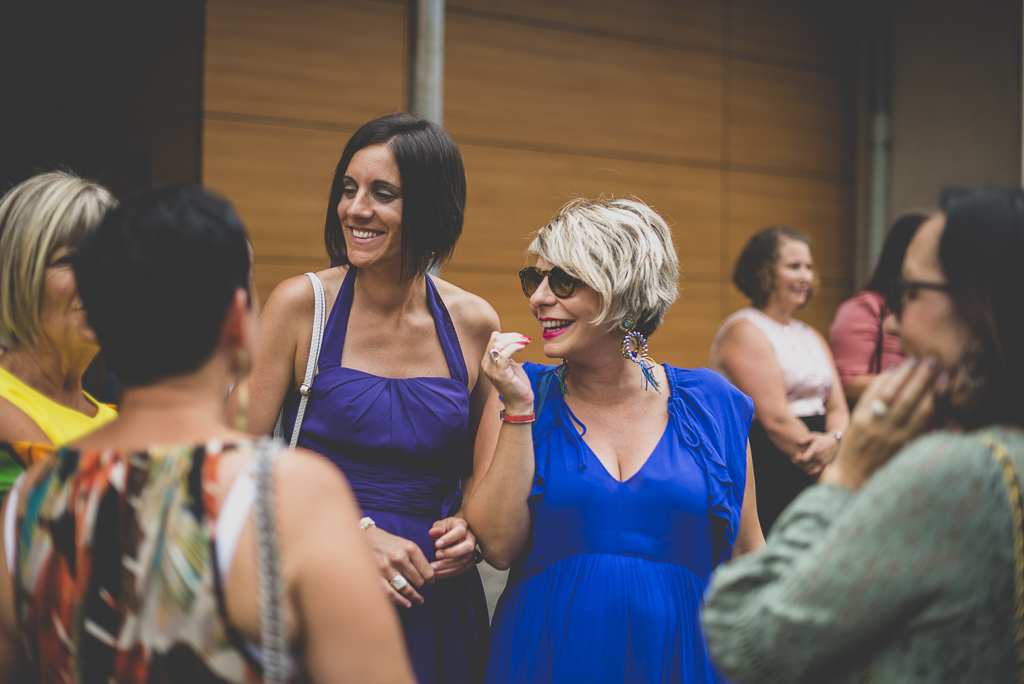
561,283
907,290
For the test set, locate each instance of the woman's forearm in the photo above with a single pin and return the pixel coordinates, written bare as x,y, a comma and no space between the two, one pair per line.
497,509
784,431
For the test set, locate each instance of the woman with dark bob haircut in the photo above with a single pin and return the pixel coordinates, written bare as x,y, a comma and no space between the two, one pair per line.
397,397
785,366
905,560
130,556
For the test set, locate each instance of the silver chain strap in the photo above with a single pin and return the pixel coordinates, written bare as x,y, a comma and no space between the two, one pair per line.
272,629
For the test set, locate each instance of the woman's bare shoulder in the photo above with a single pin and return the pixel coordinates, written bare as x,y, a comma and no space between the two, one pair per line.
468,311
745,335
294,296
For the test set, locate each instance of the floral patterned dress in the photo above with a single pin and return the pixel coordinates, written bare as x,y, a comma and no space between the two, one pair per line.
115,565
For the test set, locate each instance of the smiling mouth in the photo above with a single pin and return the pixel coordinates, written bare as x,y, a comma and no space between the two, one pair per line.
553,327
365,234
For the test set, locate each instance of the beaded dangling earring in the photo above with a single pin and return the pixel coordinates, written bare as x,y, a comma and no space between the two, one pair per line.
562,372
634,348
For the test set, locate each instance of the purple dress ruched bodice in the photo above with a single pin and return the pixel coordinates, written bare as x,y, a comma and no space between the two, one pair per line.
402,445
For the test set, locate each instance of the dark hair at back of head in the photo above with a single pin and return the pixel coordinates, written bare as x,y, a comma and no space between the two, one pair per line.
981,253
433,190
156,278
754,273
890,261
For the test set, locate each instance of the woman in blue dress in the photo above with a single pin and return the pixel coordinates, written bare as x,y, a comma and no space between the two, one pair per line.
394,403
616,485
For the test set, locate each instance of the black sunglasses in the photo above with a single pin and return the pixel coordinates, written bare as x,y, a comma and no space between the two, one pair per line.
907,290
561,283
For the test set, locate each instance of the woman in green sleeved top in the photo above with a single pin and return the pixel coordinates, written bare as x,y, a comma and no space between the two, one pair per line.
46,339
904,563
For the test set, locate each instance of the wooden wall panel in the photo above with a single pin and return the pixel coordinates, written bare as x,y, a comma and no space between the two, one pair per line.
279,179
512,193
696,23
804,31
816,207
684,339
724,117
782,116
510,82
310,60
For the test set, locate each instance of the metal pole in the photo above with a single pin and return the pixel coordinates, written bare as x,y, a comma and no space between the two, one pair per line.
426,59
880,149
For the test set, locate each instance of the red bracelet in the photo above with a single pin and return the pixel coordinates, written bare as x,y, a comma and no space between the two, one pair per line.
527,418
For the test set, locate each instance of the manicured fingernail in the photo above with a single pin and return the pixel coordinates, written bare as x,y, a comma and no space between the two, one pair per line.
913,361
439,554
528,339
931,362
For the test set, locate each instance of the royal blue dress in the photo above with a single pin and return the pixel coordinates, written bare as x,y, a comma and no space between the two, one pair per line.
401,443
610,587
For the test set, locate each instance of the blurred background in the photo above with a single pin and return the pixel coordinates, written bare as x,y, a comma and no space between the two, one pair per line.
725,115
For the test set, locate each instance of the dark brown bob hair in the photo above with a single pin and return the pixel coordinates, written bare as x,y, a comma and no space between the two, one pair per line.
433,190
754,273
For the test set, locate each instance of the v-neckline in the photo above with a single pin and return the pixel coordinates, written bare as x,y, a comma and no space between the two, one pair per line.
604,468
668,427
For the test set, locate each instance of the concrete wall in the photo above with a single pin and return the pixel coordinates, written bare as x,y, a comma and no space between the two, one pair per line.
956,98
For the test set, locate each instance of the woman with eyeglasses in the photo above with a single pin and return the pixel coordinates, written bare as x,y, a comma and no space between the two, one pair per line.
615,485
785,366
46,339
397,397
861,344
904,563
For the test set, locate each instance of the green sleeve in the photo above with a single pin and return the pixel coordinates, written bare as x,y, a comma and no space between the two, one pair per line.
842,568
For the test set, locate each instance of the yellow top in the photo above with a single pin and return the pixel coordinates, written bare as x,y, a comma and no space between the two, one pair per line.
59,423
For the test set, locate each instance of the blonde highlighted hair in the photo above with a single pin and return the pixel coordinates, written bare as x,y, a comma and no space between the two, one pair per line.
620,248
38,217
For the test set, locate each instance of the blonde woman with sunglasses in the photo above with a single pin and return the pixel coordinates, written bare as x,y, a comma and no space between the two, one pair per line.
44,333
615,485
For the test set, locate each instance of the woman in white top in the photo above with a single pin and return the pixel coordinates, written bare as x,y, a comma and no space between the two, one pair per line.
785,366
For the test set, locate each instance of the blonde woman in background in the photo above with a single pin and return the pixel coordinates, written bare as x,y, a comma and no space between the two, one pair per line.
46,339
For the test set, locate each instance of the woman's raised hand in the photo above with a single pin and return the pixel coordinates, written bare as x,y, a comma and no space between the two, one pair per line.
396,558
508,376
895,409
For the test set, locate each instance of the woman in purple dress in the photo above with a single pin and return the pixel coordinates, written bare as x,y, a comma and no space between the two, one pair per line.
394,403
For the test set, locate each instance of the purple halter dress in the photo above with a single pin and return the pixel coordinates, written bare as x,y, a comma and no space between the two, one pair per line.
401,443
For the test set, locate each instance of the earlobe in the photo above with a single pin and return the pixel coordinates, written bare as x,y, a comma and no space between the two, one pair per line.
234,328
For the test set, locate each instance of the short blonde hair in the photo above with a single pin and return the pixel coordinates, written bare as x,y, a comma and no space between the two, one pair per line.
37,217
622,249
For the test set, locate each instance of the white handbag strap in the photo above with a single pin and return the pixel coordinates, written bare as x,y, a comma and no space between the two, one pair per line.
316,339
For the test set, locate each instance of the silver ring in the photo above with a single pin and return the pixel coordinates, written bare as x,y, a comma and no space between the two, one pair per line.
494,355
399,582
879,408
